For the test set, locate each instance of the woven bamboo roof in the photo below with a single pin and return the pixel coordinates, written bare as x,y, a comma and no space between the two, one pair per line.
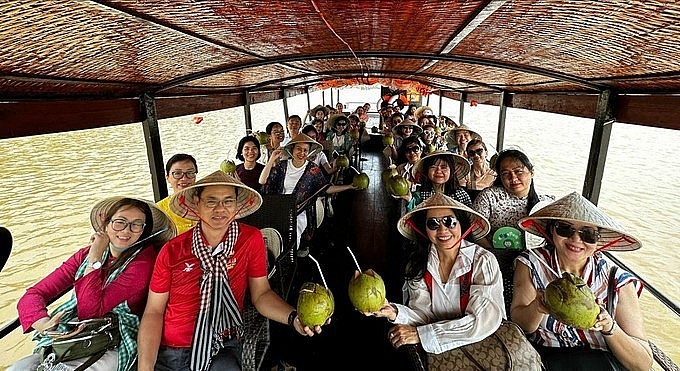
87,62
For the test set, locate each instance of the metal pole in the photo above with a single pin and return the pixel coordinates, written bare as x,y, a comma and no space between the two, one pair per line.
246,111
461,107
332,105
154,150
604,120
500,137
309,103
285,104
441,98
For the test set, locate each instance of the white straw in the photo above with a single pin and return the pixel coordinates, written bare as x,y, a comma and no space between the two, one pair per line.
543,262
320,272
355,259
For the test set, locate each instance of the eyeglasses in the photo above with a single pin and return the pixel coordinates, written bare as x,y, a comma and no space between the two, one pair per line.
588,235
428,133
179,174
277,132
475,152
414,149
120,225
212,203
434,223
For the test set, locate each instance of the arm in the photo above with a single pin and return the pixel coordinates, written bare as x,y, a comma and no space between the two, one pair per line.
151,330
339,188
482,205
527,308
268,167
272,306
32,307
629,344
132,285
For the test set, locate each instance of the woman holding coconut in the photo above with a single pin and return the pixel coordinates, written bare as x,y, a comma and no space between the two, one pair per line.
453,290
576,232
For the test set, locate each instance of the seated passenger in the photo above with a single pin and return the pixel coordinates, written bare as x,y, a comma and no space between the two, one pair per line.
439,172
411,150
180,172
438,314
339,134
400,132
249,171
293,126
276,136
297,176
319,158
192,319
481,175
512,195
109,276
576,233
458,138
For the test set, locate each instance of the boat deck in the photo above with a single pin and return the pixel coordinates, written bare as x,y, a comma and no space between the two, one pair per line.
365,221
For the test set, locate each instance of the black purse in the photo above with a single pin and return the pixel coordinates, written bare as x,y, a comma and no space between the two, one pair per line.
89,338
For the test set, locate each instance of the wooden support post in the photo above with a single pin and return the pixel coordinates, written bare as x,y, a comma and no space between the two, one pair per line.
246,112
604,120
461,107
503,104
285,104
154,150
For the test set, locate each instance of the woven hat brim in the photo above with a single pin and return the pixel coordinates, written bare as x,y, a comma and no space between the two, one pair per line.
462,165
441,201
417,130
160,220
575,208
248,200
314,146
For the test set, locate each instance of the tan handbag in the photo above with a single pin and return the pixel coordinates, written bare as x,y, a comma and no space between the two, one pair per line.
505,349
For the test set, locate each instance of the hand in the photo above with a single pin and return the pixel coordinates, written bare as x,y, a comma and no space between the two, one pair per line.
306,330
99,242
605,322
403,334
387,311
539,304
47,323
276,155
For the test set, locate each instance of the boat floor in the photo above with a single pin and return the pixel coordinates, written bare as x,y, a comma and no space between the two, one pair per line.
366,222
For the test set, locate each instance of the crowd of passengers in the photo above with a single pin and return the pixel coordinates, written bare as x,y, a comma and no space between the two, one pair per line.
175,273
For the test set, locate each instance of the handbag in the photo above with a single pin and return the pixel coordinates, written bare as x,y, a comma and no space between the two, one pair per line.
505,349
89,338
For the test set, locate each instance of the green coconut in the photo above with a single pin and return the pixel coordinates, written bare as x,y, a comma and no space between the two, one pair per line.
228,166
571,301
262,137
342,161
397,185
388,140
367,291
360,181
315,304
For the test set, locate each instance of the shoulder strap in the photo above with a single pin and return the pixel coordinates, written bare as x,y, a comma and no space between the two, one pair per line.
465,282
611,286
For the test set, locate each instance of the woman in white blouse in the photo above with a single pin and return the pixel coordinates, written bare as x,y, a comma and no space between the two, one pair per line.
453,290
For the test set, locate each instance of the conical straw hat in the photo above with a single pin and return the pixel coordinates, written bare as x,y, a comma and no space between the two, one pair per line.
462,165
442,201
247,199
314,146
576,208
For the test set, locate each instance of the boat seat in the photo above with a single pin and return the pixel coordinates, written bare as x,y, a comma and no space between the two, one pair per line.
256,334
5,246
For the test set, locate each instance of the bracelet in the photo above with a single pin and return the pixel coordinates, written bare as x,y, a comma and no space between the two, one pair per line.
611,330
291,318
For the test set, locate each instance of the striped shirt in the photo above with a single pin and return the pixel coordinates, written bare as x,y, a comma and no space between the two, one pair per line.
551,332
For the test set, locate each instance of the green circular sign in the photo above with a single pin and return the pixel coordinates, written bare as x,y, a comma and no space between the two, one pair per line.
508,238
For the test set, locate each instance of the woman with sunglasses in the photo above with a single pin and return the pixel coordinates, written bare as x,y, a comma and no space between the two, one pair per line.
409,155
576,232
111,275
453,289
481,174
339,134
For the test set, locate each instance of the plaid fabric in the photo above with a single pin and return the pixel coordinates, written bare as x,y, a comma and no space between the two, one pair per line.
127,321
219,318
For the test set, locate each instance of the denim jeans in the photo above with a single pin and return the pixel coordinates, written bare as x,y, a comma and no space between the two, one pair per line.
179,359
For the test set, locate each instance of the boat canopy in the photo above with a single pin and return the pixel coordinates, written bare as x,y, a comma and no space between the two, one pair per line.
68,65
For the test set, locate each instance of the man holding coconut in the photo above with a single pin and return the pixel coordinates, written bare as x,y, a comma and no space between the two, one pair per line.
192,319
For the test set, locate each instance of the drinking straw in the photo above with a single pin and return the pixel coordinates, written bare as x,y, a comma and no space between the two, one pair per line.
320,272
354,258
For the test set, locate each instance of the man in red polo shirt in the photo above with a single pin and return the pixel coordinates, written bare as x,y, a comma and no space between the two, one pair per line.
192,319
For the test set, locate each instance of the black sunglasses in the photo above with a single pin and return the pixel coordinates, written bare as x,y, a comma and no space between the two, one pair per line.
587,234
434,223
414,149
478,152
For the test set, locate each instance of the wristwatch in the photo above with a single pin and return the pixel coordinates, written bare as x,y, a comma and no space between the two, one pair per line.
94,265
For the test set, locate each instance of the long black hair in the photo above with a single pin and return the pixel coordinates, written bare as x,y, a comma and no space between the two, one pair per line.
425,182
517,155
418,251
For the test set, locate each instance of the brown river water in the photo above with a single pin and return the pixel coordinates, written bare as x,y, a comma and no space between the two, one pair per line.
52,181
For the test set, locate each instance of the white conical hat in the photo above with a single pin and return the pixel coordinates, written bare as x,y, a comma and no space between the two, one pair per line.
576,208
